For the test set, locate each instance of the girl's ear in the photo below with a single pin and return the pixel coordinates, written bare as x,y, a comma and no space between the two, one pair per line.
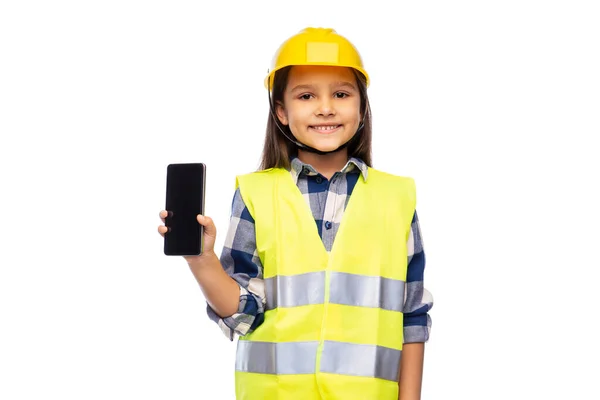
281,113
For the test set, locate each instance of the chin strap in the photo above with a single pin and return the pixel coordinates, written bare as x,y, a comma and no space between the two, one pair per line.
304,146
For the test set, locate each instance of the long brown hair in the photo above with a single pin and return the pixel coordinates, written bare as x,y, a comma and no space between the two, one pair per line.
278,149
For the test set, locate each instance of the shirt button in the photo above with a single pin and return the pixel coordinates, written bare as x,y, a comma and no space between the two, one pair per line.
319,179
305,171
327,225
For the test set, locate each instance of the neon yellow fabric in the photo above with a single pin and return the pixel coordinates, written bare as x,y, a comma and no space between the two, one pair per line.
371,241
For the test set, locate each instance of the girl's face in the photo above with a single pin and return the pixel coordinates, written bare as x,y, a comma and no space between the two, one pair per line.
321,105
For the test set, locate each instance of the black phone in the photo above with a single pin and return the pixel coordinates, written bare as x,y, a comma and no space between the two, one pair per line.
186,185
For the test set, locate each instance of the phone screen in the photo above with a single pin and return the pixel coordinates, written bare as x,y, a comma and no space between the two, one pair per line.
185,200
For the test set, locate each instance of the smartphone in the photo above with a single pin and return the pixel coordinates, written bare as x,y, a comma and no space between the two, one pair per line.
186,185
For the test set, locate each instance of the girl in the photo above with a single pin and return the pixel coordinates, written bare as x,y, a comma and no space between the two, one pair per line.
321,275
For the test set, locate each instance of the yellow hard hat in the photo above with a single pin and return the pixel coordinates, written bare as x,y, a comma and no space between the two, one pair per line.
316,46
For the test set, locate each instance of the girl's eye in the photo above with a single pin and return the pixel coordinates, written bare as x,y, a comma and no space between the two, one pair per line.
340,95
305,97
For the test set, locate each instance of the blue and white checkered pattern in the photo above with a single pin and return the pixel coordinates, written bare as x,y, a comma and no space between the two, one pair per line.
327,200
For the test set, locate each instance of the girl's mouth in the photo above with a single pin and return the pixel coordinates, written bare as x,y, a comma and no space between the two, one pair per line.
324,128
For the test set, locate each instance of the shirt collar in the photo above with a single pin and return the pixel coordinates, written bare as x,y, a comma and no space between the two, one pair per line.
298,167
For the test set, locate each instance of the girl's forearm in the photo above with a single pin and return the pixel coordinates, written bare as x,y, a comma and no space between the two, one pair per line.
411,371
220,291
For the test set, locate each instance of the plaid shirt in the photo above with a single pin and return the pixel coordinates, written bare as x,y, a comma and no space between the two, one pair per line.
327,200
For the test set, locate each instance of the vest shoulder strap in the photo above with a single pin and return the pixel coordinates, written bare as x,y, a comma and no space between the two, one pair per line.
261,181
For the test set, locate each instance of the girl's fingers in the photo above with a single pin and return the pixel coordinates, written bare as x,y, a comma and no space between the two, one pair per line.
162,230
162,215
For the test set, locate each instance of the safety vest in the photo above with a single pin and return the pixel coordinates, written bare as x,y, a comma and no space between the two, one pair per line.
333,325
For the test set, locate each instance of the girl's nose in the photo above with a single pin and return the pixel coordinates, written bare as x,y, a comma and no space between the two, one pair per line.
325,107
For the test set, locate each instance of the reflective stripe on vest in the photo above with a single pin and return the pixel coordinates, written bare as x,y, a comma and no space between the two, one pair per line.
300,358
347,289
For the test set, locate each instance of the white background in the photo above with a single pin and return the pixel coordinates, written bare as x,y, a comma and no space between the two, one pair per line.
493,108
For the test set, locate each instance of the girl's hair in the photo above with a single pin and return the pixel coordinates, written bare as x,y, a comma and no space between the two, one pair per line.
278,149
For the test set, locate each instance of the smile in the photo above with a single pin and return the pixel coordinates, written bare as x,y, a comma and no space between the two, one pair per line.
325,128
